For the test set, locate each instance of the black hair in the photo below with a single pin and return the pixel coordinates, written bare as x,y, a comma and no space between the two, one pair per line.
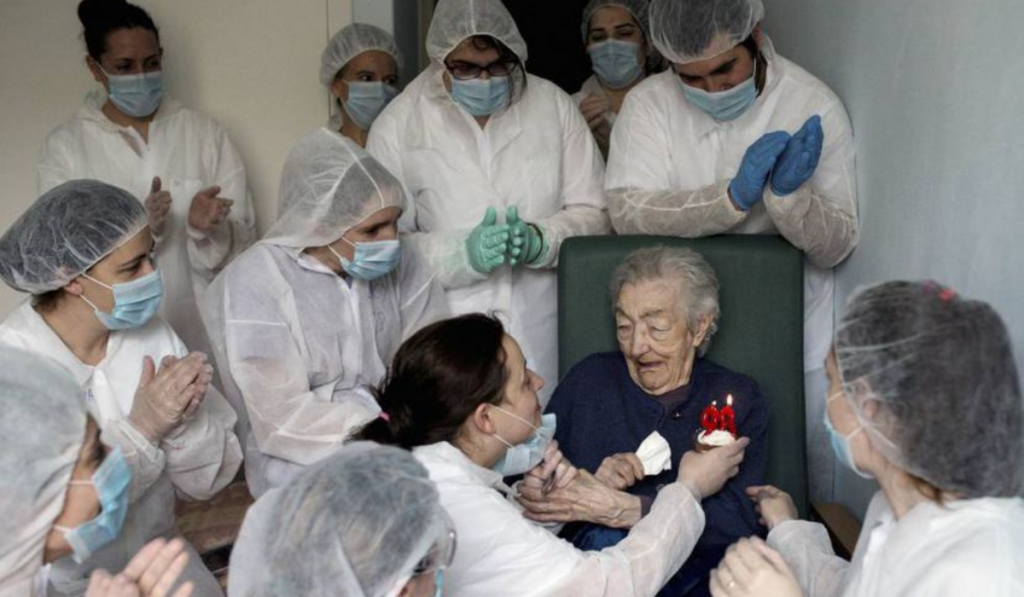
100,18
437,380
760,61
517,79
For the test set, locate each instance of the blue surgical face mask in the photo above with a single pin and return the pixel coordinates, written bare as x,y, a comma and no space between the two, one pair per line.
724,105
111,481
522,458
366,100
372,259
616,63
136,95
481,97
135,302
841,443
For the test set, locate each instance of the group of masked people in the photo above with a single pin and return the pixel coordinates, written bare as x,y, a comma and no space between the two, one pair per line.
403,441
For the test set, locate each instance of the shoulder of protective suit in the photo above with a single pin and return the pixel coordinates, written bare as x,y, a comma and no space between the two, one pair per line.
795,77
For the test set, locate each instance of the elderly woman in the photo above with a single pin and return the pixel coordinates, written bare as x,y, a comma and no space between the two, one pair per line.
64,490
616,33
666,307
923,397
365,522
84,251
360,68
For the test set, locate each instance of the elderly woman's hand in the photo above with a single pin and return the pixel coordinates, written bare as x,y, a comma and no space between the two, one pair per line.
620,471
774,505
752,569
584,499
555,471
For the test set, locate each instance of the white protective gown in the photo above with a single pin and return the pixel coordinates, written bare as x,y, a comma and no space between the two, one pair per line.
538,155
671,165
195,461
298,349
502,554
968,547
189,152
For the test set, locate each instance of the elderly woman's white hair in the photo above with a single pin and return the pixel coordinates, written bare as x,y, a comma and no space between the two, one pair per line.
698,284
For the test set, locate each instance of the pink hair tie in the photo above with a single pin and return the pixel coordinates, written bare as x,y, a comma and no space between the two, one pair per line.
385,416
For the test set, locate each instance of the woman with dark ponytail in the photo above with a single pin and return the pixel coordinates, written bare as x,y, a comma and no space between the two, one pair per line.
460,396
178,162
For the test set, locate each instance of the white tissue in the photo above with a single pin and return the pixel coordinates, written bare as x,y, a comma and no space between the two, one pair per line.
655,454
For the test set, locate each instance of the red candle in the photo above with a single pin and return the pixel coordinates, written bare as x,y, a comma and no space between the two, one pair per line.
728,417
710,419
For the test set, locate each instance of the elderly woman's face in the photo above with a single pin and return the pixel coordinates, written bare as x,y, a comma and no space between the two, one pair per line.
654,335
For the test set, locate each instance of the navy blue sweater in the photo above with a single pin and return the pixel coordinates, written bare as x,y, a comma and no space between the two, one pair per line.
602,411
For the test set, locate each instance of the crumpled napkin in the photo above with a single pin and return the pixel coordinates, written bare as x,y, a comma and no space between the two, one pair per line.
655,454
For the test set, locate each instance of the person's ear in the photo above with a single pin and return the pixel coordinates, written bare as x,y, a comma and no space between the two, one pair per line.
483,420
339,89
756,33
74,288
97,72
702,330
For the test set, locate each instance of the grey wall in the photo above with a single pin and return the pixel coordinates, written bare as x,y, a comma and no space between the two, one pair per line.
935,90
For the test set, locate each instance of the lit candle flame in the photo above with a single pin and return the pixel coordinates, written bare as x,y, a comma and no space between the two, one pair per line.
728,400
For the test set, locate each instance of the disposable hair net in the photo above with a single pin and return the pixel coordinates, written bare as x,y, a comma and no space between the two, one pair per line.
355,524
687,31
65,232
637,8
456,20
42,430
941,370
352,41
329,185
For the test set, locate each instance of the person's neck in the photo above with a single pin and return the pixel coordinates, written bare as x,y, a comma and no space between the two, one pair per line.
900,490
683,380
481,453
327,258
350,130
617,96
141,125
79,329
482,120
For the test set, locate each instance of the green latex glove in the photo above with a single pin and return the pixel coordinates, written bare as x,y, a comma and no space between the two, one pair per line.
488,243
528,244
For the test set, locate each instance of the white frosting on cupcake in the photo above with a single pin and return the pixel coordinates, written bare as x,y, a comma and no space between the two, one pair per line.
718,437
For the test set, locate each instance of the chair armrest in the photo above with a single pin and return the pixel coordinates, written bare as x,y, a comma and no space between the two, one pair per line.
841,524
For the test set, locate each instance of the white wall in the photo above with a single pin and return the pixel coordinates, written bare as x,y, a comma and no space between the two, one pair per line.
252,64
934,89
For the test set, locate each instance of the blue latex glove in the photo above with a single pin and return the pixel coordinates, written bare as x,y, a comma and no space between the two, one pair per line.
797,163
527,242
747,187
488,243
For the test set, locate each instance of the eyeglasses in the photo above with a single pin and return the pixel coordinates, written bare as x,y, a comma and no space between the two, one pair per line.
465,71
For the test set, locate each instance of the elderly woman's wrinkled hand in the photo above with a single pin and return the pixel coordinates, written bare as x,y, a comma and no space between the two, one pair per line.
620,471
554,472
774,505
752,569
583,499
